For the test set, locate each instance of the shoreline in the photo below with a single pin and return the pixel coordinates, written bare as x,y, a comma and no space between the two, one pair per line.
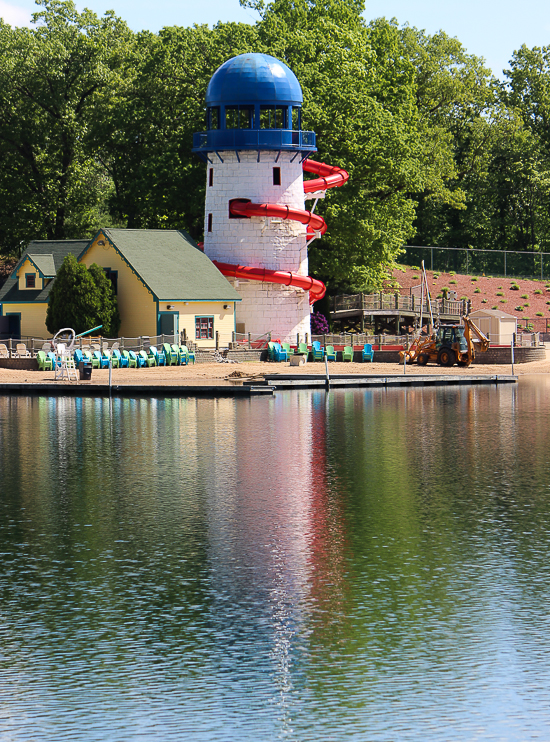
257,378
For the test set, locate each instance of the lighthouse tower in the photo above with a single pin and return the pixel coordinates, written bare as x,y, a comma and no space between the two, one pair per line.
255,229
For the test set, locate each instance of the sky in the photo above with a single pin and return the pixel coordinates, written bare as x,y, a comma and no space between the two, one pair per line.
487,28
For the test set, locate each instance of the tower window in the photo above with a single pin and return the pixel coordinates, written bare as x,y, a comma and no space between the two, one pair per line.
272,117
211,177
213,118
296,116
209,222
30,280
239,117
277,176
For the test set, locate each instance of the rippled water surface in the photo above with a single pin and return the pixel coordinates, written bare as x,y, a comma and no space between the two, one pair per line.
364,565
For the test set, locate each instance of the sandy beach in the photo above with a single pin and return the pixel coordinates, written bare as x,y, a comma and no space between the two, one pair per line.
219,373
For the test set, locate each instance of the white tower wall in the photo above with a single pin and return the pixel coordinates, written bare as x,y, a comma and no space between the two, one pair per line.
260,242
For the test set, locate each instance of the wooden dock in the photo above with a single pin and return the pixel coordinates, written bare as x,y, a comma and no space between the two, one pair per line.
312,381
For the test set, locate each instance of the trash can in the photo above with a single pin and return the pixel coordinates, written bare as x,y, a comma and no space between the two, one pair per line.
85,370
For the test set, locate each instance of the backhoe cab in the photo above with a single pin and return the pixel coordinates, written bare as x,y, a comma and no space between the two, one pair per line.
448,345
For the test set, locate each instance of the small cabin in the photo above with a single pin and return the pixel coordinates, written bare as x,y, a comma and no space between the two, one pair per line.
498,326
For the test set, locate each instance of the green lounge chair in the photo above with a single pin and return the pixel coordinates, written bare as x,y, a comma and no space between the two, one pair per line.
147,360
131,358
190,355
270,351
289,350
303,349
172,356
347,353
44,363
89,358
182,356
331,353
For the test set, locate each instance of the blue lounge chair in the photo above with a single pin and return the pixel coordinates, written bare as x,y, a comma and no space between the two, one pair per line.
317,353
51,356
158,355
147,359
102,360
367,353
121,361
279,354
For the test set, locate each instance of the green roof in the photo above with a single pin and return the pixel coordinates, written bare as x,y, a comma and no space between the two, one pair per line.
171,265
44,263
45,252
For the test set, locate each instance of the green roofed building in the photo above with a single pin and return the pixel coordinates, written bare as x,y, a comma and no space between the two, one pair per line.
163,281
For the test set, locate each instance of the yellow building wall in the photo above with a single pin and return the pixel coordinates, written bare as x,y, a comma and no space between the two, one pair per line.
28,267
137,307
224,319
33,318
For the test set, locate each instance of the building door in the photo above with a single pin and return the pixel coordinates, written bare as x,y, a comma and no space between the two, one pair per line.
168,324
14,326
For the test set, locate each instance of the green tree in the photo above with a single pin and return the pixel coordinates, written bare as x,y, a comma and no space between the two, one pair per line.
82,298
108,314
51,77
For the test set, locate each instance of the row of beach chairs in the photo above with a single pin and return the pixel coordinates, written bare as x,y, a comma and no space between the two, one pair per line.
283,351
167,355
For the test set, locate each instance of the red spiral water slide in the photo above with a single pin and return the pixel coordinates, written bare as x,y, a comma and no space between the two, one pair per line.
331,177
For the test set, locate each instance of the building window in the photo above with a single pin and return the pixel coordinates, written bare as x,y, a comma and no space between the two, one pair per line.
204,328
30,280
211,177
113,278
209,222
276,176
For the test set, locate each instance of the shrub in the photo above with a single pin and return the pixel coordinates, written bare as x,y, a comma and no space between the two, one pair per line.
526,304
495,307
499,287
82,299
500,293
464,298
518,309
453,282
474,278
445,290
548,302
319,324
484,301
436,276
514,287
504,301
452,273
415,277
539,314
538,291
524,296
477,291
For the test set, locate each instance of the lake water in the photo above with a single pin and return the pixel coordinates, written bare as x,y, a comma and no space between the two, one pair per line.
362,565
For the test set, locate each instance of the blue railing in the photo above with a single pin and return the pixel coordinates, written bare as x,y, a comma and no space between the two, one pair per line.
243,139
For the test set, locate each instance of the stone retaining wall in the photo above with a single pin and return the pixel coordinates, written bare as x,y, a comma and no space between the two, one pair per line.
22,364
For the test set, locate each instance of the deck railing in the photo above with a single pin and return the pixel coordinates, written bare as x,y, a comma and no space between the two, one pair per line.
398,302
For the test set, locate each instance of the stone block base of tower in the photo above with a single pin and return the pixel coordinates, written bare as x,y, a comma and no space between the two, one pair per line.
270,307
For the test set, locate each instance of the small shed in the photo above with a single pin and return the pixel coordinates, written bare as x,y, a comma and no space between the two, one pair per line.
497,325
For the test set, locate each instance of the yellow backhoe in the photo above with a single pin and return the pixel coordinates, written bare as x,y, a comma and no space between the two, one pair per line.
448,345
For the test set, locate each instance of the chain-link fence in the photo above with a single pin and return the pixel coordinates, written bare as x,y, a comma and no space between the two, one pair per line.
501,263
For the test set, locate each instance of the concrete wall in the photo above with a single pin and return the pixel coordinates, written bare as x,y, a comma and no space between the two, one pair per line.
271,243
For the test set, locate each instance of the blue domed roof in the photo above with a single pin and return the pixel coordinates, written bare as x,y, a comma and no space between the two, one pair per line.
253,78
